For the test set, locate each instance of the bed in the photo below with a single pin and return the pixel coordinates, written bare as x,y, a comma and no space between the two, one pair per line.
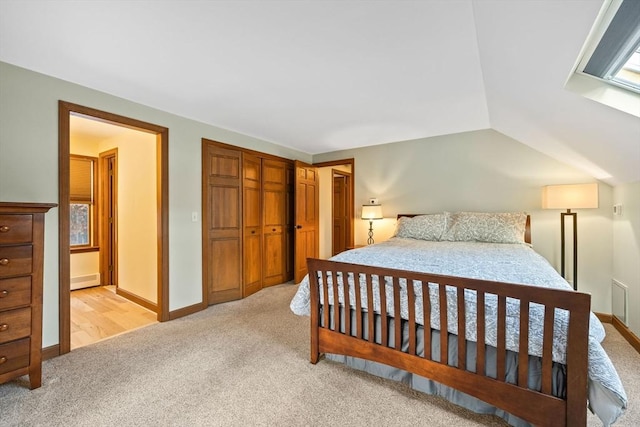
477,274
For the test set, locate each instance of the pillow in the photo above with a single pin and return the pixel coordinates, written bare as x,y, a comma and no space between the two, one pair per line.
486,227
422,227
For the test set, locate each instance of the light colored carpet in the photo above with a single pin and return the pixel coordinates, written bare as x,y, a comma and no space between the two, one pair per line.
240,363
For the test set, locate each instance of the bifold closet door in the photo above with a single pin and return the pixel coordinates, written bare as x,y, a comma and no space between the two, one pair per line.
223,224
252,223
274,190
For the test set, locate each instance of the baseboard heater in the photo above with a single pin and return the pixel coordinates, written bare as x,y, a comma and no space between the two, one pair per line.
619,301
81,282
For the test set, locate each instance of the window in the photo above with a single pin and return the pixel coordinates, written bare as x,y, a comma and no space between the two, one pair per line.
82,202
616,53
608,69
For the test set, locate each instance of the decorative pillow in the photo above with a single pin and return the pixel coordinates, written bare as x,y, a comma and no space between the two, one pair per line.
486,227
422,227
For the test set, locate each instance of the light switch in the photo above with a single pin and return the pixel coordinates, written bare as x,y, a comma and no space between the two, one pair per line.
617,209
194,216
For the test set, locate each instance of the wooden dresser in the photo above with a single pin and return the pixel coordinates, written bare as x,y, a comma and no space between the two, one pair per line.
21,265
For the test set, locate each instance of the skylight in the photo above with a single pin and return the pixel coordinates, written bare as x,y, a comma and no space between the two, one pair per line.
608,69
617,46
629,74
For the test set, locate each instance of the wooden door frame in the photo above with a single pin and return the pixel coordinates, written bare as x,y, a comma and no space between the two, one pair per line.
350,206
351,162
65,110
103,159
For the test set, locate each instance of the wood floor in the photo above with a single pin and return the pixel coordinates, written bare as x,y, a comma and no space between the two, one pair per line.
98,313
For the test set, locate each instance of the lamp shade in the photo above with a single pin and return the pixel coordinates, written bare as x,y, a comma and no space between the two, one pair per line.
371,212
572,196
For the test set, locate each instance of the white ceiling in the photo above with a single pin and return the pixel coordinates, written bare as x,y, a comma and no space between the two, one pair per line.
321,76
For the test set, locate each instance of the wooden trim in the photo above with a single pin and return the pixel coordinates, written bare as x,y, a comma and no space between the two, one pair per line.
64,244
51,352
85,249
632,338
185,311
162,188
204,212
149,305
65,109
341,162
260,154
604,317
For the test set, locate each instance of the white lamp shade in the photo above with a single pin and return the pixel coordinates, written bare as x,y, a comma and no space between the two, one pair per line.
371,212
572,196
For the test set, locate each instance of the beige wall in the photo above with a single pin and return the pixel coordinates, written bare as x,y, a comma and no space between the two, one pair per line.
626,248
483,171
29,172
137,212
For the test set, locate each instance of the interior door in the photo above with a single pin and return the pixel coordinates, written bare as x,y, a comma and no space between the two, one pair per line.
340,215
252,224
222,223
108,208
306,217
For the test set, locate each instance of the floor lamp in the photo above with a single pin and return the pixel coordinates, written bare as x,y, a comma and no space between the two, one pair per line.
371,213
573,196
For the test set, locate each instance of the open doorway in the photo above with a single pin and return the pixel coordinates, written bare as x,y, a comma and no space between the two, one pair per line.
126,223
336,216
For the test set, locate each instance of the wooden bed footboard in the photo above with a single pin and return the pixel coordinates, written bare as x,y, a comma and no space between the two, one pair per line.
355,335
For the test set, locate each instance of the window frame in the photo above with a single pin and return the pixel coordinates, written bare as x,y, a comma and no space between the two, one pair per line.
608,92
93,208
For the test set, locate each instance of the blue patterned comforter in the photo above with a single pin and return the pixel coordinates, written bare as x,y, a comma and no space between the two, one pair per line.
512,263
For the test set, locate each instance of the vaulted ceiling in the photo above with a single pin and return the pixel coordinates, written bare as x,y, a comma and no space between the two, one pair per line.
321,76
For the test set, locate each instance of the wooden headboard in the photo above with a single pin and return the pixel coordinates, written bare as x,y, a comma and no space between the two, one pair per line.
527,230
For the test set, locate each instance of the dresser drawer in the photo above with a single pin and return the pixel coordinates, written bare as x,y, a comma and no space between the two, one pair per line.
15,292
15,260
15,324
16,229
14,355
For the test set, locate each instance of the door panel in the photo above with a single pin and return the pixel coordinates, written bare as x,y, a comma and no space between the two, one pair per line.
306,216
274,187
222,263
252,232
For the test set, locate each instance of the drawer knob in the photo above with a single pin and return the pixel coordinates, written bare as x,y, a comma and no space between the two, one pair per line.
4,293
3,359
4,228
4,327
4,261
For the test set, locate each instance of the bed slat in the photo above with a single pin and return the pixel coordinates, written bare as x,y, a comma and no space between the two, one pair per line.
426,320
523,353
444,324
384,321
371,332
480,346
547,350
396,311
502,338
336,301
411,306
356,280
347,302
462,331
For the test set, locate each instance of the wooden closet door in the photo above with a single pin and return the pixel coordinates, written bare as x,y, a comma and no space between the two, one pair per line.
252,224
222,223
274,190
307,211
